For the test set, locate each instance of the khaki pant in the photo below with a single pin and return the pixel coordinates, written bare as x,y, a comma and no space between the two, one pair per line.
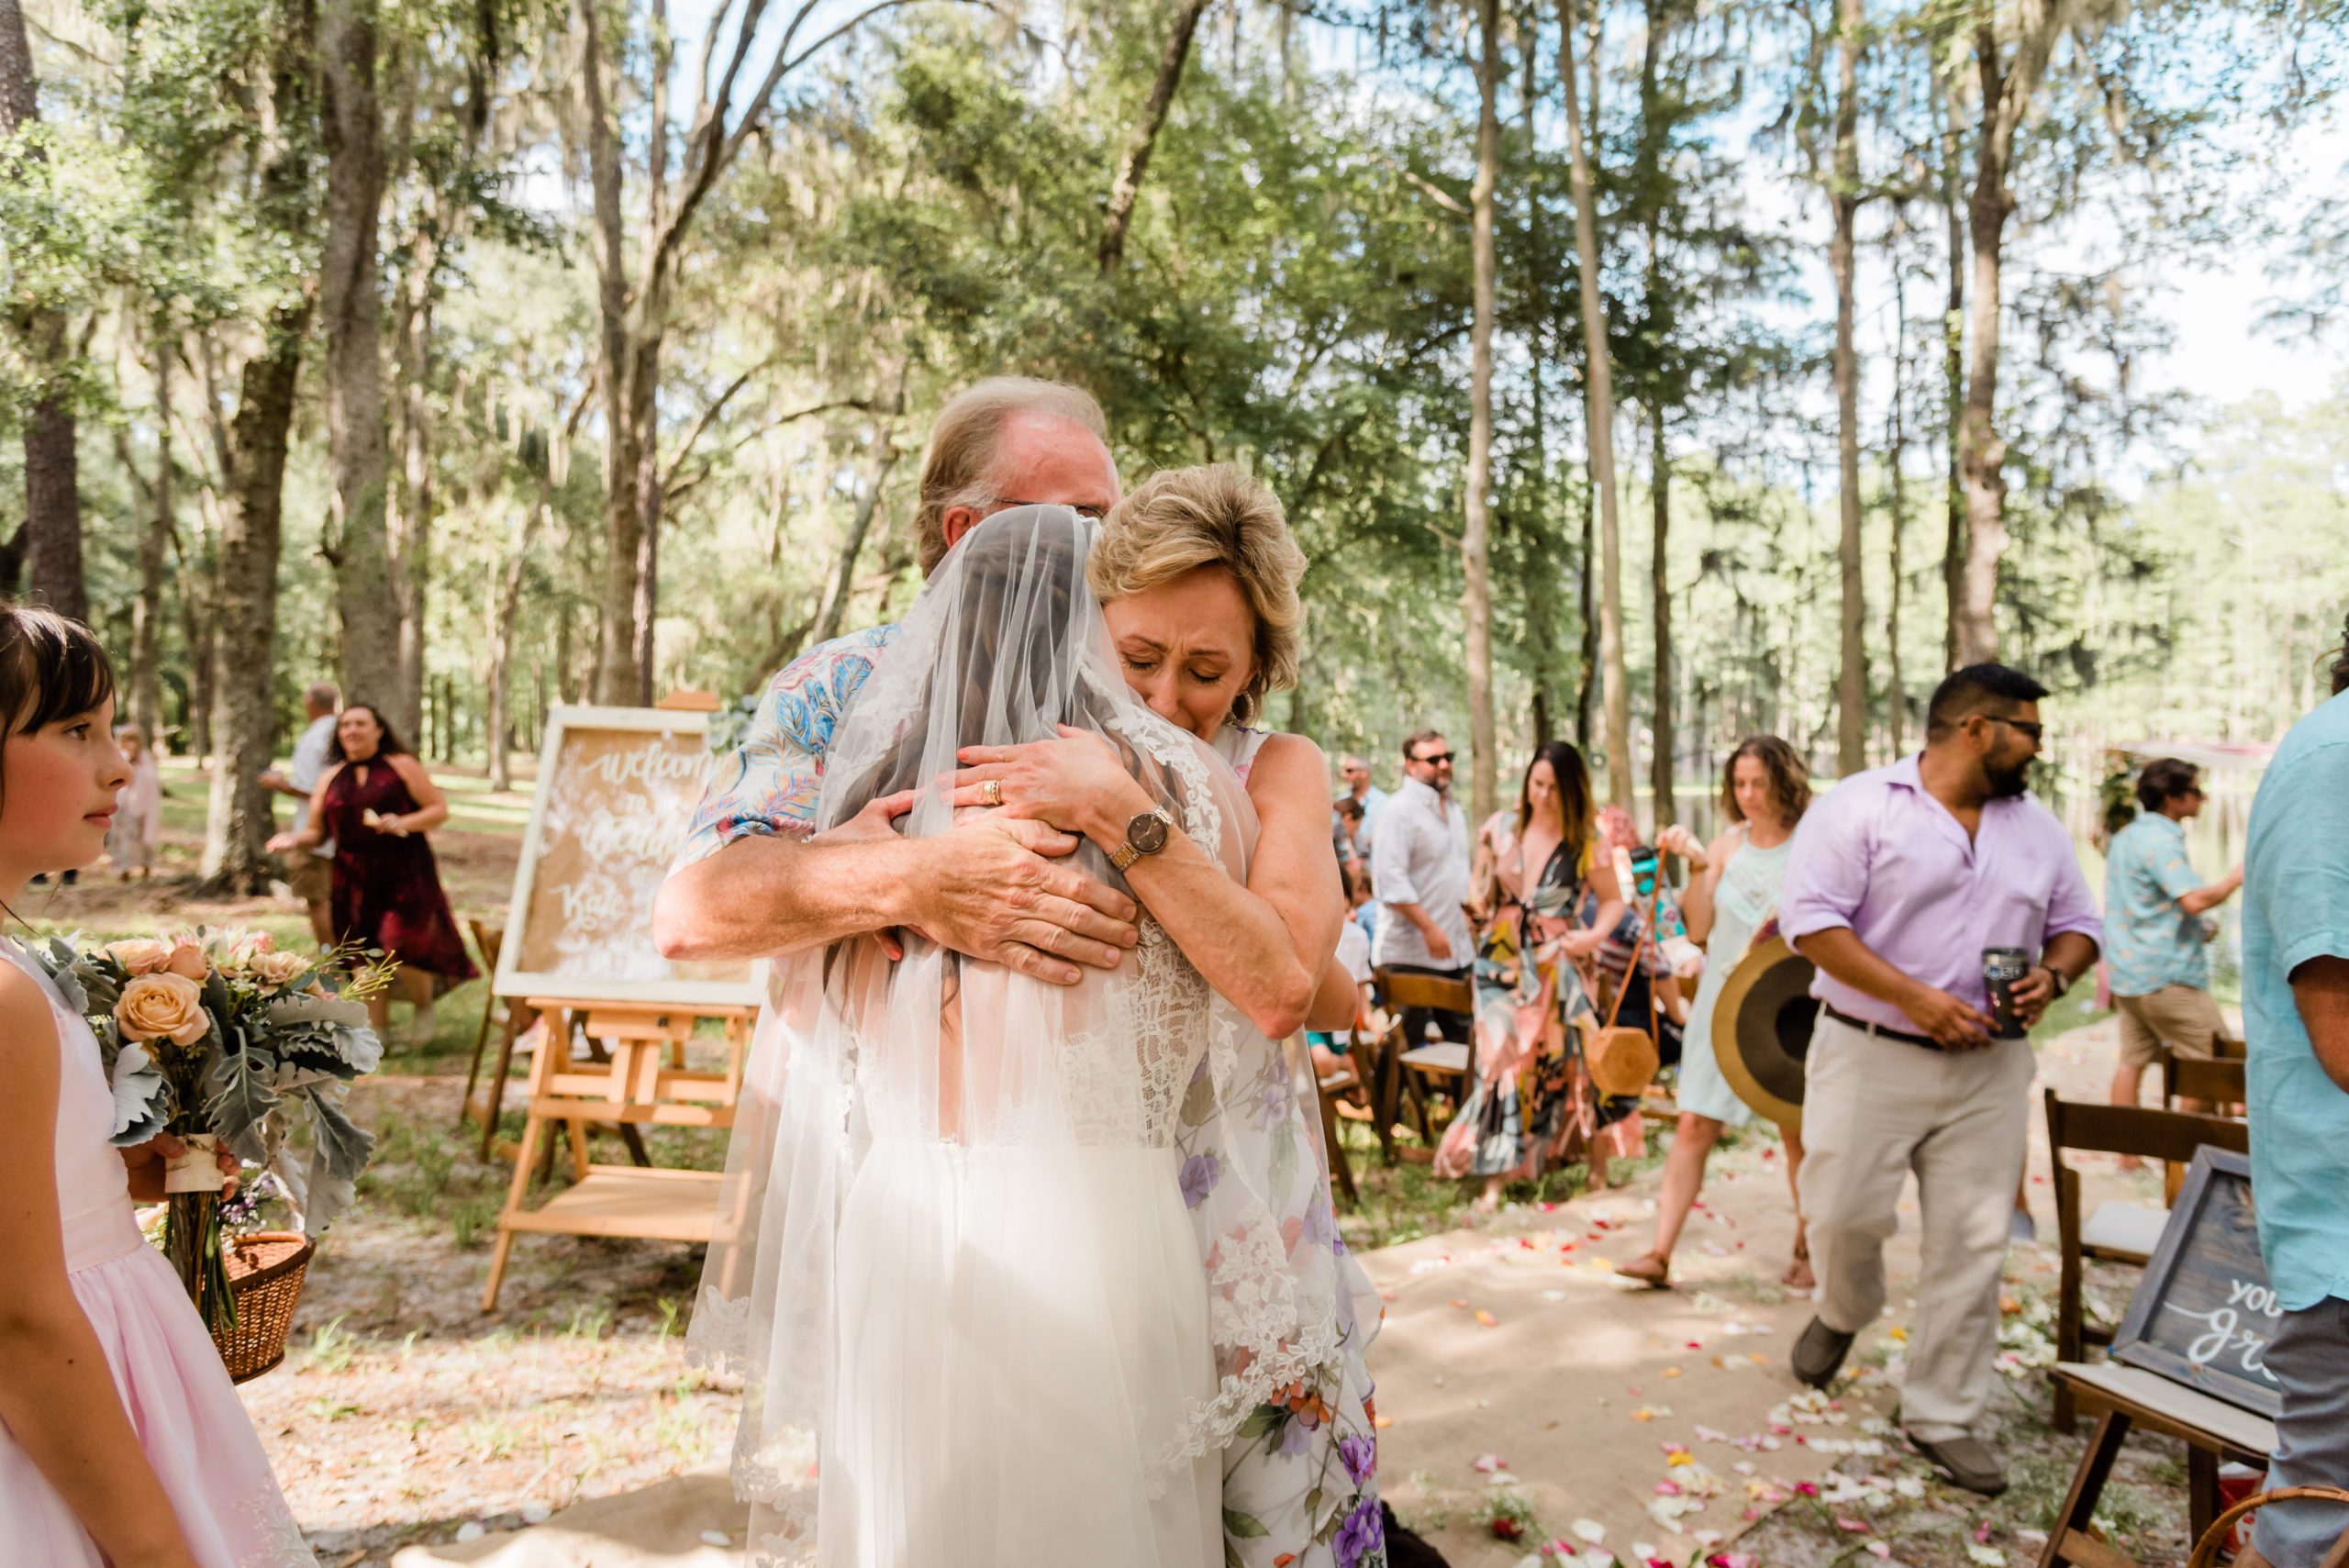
2180,1018
1873,1111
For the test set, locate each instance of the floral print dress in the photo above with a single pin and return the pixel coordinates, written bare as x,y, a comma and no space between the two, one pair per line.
1301,1470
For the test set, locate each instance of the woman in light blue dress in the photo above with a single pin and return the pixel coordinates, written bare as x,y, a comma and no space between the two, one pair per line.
1732,896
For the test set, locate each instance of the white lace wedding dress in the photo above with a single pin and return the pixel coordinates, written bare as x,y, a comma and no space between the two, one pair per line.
958,1259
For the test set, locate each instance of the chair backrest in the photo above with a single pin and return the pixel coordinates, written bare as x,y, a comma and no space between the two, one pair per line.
2219,1083
2132,1130
2229,1050
1402,990
490,940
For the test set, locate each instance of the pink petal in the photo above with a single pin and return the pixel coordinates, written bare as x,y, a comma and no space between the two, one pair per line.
1858,1527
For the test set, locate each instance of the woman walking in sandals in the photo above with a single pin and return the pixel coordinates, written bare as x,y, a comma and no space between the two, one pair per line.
1732,898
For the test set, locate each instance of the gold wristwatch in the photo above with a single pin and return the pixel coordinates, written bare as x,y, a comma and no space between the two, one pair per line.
1145,835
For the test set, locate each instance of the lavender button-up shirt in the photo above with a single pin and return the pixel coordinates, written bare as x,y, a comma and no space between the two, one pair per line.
1880,855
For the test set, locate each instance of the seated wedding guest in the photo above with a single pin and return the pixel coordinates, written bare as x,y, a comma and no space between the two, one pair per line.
1732,898
1345,827
1419,863
1554,896
2296,1018
376,802
121,1439
1353,956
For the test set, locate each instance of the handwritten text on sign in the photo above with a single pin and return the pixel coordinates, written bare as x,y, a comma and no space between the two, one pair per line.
616,811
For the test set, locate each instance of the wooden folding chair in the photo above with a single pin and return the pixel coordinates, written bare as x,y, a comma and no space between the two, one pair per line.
1417,1068
635,1088
2218,1081
1347,1076
2116,1232
512,1021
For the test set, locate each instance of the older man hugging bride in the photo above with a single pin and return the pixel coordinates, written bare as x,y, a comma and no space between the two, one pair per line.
1025,1251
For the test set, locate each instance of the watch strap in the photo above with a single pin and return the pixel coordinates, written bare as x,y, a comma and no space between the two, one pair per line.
1127,853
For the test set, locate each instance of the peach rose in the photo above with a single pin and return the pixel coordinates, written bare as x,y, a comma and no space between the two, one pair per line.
141,955
274,969
187,960
159,1007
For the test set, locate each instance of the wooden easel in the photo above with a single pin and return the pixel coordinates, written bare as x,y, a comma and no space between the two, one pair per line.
643,1080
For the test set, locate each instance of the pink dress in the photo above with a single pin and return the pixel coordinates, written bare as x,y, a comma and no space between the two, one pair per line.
182,1404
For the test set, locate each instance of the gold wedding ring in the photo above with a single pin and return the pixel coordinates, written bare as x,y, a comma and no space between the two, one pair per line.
991,792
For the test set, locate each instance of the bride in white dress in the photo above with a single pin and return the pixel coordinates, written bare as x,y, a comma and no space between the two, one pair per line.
954,1261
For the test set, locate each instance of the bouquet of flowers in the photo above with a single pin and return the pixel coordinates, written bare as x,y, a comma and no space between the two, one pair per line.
220,1038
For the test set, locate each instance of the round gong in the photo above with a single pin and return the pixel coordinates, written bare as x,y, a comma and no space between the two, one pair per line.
1762,1030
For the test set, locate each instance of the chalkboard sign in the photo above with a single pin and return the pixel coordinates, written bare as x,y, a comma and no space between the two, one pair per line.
616,791
2205,1312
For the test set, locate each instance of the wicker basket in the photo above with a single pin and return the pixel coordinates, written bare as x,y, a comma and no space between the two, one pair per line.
265,1272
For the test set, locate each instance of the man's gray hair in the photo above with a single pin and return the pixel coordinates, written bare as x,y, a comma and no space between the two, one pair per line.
967,441
323,694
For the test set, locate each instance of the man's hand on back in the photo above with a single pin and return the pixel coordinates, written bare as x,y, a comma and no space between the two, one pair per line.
987,888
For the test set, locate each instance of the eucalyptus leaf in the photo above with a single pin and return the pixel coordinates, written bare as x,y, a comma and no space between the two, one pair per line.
245,1097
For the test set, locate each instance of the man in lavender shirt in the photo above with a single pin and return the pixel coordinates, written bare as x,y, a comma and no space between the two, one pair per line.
1898,878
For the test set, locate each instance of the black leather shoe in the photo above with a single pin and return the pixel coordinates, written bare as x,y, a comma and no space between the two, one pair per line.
1968,1462
1819,1355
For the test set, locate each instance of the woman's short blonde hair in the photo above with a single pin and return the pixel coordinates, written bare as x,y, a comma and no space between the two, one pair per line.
1181,519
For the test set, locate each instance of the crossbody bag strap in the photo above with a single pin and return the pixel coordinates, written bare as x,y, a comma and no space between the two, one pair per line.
1647,925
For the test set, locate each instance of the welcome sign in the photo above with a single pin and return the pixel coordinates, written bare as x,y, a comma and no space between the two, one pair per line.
616,791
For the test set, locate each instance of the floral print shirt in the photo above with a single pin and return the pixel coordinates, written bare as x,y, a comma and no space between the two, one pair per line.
770,784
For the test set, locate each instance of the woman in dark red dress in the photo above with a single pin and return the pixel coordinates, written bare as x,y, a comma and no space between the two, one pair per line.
375,802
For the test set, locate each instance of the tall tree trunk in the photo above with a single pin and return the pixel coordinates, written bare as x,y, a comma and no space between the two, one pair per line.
2008,85
199,629
646,391
1143,137
1953,377
1851,684
1896,698
1983,455
618,680
238,823
506,603
1541,577
155,532
1599,419
883,458
52,527
357,450
1662,754
1475,539
1586,572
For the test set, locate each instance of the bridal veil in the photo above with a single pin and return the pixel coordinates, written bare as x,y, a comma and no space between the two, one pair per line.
1118,1220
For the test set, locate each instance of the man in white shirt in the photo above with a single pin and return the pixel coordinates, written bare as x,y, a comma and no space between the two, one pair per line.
1356,773
1419,865
310,873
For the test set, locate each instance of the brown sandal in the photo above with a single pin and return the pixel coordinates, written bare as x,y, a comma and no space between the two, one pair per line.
1650,1270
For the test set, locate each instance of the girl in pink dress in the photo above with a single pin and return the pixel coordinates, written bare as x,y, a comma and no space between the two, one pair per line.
122,1441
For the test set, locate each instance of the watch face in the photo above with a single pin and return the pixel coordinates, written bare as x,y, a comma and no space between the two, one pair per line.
1147,833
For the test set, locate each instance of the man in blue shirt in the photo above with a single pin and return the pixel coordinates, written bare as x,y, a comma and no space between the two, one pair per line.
2296,1013
2154,936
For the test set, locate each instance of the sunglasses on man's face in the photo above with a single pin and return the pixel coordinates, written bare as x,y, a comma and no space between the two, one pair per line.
1436,757
2031,731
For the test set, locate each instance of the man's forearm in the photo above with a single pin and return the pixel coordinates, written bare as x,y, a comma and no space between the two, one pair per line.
766,894
1843,955
1417,917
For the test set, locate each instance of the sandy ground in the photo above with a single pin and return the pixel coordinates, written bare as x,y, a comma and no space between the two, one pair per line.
1515,1369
